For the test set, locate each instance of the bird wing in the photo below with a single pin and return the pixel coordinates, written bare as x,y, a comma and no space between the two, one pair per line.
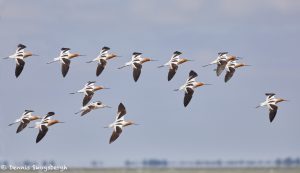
86,111
23,124
116,133
87,98
192,75
65,66
19,66
188,96
101,66
229,74
272,112
42,132
121,111
172,71
221,66
137,68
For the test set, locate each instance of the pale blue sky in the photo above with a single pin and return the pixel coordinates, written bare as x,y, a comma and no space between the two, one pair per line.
219,123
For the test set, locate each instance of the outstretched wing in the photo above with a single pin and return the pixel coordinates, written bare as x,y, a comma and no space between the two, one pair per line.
22,125
188,96
101,66
19,66
116,133
85,112
65,66
192,75
272,112
136,71
172,71
87,98
221,66
42,132
229,74
121,111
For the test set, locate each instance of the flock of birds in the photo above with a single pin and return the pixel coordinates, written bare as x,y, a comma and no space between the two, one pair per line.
224,61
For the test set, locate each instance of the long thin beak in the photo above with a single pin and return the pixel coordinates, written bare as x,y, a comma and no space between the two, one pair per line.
136,124
50,62
190,60
78,112
81,55
160,66
105,127
247,65
89,61
121,67
72,93
61,122
207,84
105,88
176,90
153,60
5,58
206,65
107,106
257,107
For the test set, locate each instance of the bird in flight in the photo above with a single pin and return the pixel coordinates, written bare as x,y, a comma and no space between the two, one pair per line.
92,106
65,60
173,64
119,123
89,89
102,59
136,63
44,125
24,120
189,87
19,57
231,67
271,103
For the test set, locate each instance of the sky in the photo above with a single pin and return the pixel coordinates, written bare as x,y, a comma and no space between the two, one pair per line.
220,122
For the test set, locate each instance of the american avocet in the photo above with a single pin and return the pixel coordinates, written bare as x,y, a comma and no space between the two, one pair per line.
221,56
271,102
19,57
136,63
92,106
43,126
102,59
25,119
230,69
119,123
65,59
222,62
189,87
173,64
89,89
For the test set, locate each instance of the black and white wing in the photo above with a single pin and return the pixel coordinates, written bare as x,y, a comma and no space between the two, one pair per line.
121,111
172,71
272,111
229,73
65,66
192,75
24,122
19,66
137,68
221,66
188,96
42,132
116,133
101,66
87,97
